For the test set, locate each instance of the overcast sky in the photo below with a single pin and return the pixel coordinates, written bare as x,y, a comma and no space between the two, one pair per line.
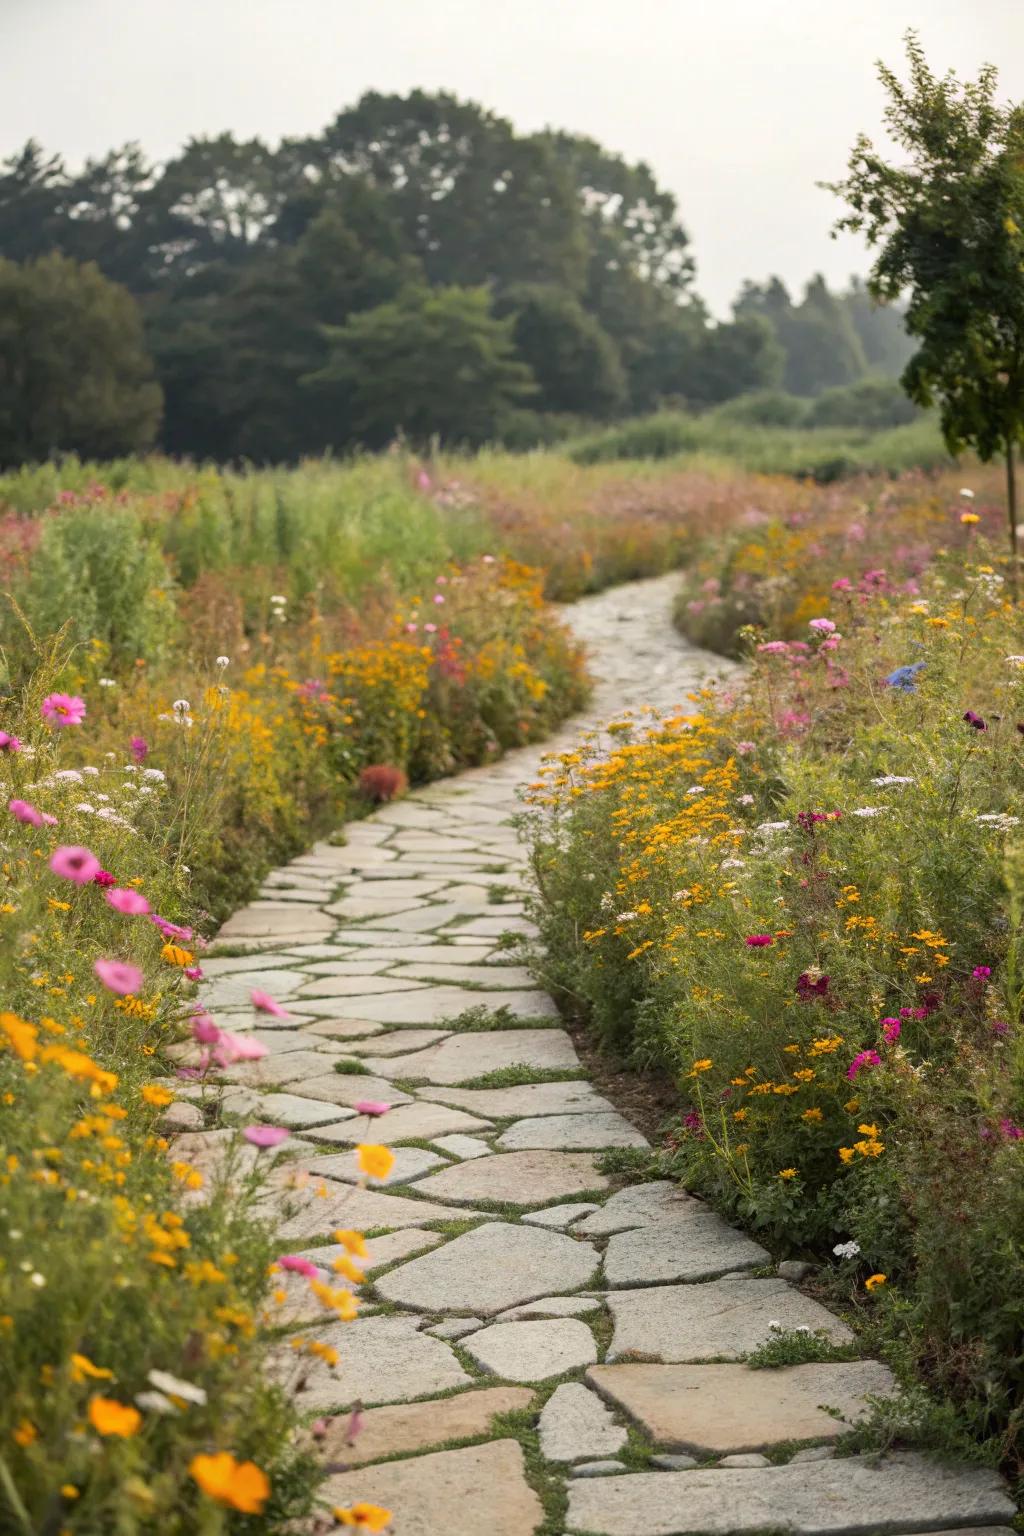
740,106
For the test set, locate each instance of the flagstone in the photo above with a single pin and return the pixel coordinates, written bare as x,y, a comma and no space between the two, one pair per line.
560,1217
489,1269
355,908
571,1098
427,948
349,1087
418,1426
641,1205
407,1121
359,1209
382,1360
532,1351
720,1319
463,1147
410,1163
852,1496
569,1132
480,1490
518,1178
722,1409
236,989
363,965
697,1247
491,926
397,1042
574,1423
275,926
470,1055
427,917
343,1029
294,1110
356,986
288,1067
386,1249
494,976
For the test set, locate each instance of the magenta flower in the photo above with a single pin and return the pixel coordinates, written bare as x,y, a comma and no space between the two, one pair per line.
170,930
774,648
130,902
78,864
104,877
299,1265
139,748
371,1107
60,709
891,1030
118,976
974,720
758,940
861,1060
981,972
231,1048
842,584
264,1003
1010,1131
9,743
822,626
194,972
266,1135
22,811
205,1030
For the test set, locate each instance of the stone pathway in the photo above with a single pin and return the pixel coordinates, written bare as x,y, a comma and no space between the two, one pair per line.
506,1276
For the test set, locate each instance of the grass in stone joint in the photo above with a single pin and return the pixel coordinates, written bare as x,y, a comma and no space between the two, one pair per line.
519,1075
348,1066
635,1165
479,1017
794,1346
521,1425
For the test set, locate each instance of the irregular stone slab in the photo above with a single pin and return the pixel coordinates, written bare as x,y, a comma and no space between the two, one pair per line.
490,976
356,986
235,989
434,1005
350,1087
560,1217
463,1147
518,1178
377,938
427,918
724,1409
855,1496
382,1360
471,1055
364,965
455,1327
286,1067
397,1042
409,888
428,949
383,1250
343,1029
723,1318
676,1463
639,1206
550,1306
750,1460
696,1248
596,1469
528,1099
482,1487
293,1110
492,927
431,842
355,857
422,1121
228,964
487,1270
280,922
355,908
532,1351
363,1209
572,1131
411,1163
574,1423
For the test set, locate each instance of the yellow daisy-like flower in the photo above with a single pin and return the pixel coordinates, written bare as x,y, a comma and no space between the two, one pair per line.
787,1173
874,1282
375,1161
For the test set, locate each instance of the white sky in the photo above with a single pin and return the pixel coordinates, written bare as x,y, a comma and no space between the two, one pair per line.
739,105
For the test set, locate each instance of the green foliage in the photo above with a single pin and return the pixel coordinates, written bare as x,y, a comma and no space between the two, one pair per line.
393,360
949,223
764,408
574,361
75,376
870,403
797,1346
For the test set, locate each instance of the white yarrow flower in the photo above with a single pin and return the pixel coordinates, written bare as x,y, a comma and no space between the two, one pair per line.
848,1250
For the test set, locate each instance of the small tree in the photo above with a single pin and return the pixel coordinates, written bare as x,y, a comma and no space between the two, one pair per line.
950,225
75,376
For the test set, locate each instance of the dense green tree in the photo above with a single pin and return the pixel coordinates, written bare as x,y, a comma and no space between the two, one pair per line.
477,203
881,329
74,372
434,361
32,203
574,361
949,225
820,344
736,358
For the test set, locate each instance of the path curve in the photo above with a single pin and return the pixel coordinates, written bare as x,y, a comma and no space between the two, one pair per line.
506,1274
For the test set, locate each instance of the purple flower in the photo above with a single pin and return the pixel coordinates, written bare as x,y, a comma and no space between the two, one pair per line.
981,972
139,748
975,721
861,1060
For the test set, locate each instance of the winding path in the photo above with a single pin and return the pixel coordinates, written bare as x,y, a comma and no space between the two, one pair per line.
507,1275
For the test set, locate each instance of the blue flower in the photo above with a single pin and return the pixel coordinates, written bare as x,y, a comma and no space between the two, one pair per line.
903,677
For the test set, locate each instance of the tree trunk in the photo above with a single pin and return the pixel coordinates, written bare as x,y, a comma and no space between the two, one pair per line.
1011,512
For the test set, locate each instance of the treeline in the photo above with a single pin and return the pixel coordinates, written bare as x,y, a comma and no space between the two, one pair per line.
418,265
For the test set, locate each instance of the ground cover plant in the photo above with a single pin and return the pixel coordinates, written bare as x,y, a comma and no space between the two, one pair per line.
802,899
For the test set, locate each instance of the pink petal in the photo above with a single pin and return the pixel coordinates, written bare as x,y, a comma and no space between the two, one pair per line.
266,1135
299,1265
371,1107
266,1004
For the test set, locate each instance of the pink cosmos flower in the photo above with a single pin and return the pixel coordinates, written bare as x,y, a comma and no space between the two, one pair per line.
438,598
231,1048
371,1107
861,1060
205,1030
266,1135
104,877
774,648
1011,1131
822,626
139,748
194,972
9,743
759,940
60,709
130,902
264,1003
299,1265
170,930
842,584
22,811
981,972
891,1030
117,976
78,864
